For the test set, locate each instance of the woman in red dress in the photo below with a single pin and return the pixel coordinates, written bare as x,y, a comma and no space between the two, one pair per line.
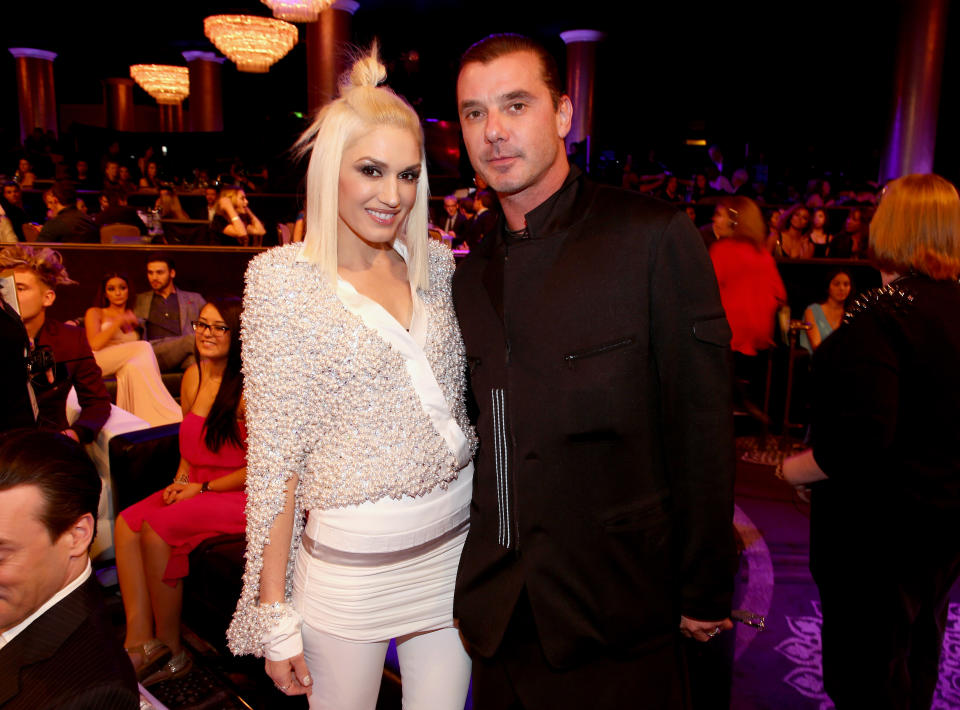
155,536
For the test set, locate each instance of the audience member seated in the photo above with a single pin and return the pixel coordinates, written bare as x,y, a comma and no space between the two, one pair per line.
235,223
670,192
126,180
24,175
794,234
58,648
166,313
169,204
700,188
37,273
818,232
773,229
485,220
720,227
852,241
150,181
451,221
212,197
112,333
11,202
826,317
155,536
83,180
115,210
111,175
68,223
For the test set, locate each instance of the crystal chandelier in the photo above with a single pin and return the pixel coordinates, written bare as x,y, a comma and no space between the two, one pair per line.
252,43
298,10
167,84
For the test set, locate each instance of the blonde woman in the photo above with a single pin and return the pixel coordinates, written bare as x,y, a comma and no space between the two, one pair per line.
884,542
235,224
355,411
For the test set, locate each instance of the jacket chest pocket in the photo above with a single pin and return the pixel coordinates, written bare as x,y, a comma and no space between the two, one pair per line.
572,359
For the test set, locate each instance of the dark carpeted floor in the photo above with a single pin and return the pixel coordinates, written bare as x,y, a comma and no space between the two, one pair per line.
777,669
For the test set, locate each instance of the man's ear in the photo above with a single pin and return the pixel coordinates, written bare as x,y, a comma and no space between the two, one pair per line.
80,535
173,274
49,296
564,116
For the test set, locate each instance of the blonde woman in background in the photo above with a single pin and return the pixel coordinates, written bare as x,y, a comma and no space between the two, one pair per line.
235,224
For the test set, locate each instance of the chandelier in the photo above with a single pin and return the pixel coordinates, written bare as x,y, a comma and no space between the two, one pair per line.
167,84
252,43
297,10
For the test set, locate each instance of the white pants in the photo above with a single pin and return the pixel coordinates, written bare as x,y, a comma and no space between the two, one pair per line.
346,675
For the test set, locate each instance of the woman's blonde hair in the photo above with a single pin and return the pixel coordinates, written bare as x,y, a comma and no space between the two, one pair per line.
230,192
363,104
917,227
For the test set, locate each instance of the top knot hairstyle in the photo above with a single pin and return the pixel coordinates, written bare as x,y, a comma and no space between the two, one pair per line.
364,104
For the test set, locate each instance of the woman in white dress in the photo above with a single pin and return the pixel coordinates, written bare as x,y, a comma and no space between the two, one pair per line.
355,380
113,337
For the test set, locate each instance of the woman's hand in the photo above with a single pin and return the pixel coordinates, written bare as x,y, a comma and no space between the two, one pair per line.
129,321
290,676
176,492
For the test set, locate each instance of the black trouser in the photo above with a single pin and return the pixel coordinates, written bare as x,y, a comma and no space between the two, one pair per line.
518,676
882,636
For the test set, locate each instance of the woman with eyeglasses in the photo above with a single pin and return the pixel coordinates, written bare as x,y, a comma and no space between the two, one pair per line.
154,537
356,411
113,333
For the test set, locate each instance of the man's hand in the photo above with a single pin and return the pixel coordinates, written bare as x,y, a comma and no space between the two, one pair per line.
71,433
703,630
290,676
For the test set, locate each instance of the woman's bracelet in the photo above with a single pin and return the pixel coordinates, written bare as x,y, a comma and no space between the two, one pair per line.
236,218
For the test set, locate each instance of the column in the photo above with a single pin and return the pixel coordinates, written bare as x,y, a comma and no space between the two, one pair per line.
118,103
581,70
35,95
916,89
206,91
327,40
171,117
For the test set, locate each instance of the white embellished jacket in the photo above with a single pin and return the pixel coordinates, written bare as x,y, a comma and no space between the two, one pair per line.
329,400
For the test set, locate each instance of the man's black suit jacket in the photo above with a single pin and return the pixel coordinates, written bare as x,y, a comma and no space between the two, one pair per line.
68,658
599,358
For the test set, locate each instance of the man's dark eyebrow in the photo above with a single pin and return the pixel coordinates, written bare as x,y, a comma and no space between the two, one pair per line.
516,95
469,103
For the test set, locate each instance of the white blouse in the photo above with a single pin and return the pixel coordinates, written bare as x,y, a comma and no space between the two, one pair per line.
388,524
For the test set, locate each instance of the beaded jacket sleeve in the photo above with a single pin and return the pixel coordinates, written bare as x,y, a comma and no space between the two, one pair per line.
330,401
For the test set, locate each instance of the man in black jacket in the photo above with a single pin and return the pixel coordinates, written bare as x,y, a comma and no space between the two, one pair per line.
57,645
68,223
601,526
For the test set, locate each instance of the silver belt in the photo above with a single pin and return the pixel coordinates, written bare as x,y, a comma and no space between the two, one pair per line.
323,552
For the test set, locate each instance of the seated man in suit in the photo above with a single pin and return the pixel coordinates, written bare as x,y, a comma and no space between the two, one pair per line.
37,273
167,314
68,223
57,645
451,221
118,211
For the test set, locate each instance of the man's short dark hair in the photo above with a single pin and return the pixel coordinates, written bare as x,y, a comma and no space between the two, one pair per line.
165,258
64,192
466,204
60,468
499,45
486,198
11,183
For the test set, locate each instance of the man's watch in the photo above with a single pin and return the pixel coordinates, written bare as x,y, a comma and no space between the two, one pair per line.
205,486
